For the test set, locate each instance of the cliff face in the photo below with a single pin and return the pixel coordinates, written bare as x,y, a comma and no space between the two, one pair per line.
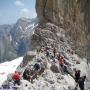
73,16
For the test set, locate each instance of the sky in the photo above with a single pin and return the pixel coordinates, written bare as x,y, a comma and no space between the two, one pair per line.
12,10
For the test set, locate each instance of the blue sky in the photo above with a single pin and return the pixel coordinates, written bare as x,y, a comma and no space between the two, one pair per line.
11,10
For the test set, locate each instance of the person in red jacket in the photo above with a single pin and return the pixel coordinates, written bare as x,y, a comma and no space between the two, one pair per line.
61,61
16,77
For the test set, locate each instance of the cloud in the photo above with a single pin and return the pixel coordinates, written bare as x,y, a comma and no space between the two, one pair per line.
25,12
19,3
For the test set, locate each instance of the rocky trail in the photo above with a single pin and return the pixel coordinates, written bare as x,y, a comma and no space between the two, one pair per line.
52,78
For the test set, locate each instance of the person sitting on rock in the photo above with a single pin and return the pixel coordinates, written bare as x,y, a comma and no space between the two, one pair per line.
16,77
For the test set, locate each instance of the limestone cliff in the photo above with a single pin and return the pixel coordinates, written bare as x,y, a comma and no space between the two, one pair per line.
73,16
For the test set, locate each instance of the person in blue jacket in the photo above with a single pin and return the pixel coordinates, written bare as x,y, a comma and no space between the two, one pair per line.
81,82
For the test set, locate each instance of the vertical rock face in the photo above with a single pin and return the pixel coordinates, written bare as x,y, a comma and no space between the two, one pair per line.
73,16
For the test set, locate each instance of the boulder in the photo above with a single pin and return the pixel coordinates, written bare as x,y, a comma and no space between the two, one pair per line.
54,68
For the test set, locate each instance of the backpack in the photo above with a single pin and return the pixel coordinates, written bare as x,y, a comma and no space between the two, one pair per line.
37,66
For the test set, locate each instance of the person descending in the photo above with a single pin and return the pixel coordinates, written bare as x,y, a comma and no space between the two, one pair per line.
54,51
16,77
81,82
26,75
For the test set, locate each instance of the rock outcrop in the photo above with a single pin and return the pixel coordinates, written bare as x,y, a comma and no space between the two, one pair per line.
73,16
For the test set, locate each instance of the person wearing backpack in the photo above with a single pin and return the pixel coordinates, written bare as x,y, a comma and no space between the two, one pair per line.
77,77
81,82
36,66
16,77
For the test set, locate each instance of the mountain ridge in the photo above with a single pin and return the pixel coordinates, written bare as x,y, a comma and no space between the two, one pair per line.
16,38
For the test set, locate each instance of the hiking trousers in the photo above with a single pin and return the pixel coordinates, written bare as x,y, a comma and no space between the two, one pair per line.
17,82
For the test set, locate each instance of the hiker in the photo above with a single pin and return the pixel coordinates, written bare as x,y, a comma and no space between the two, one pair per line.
65,69
41,67
58,56
36,66
81,82
26,74
61,63
70,51
16,77
77,75
54,51
47,53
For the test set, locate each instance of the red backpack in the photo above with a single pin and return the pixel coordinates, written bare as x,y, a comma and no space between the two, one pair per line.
16,76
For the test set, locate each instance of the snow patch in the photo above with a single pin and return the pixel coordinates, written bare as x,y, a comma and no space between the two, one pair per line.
8,67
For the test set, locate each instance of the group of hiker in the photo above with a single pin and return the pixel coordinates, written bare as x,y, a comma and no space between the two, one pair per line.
61,61
63,67
31,72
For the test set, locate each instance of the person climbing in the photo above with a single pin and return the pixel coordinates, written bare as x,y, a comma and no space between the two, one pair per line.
26,75
81,82
16,77
77,77
54,51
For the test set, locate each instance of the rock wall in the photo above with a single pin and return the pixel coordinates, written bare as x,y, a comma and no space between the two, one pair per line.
73,16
